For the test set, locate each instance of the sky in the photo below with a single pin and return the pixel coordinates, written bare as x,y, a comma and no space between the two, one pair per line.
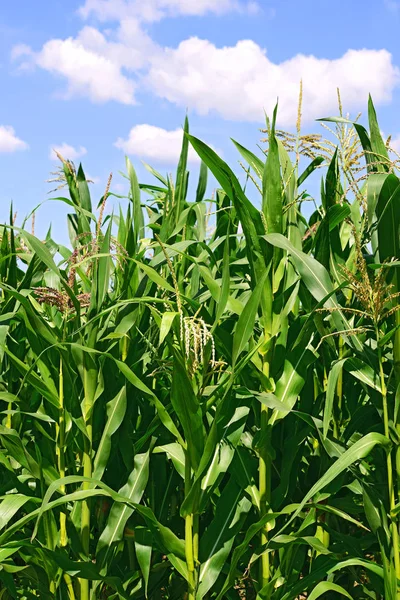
101,79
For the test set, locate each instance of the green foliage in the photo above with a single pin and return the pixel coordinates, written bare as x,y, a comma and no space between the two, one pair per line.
210,411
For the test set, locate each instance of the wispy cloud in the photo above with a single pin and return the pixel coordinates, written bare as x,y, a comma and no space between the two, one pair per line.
67,151
392,5
9,142
155,10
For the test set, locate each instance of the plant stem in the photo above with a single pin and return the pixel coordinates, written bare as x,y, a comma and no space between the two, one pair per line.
9,416
87,472
124,352
396,345
392,501
61,452
189,547
339,390
196,539
396,357
265,493
131,554
265,466
68,581
85,517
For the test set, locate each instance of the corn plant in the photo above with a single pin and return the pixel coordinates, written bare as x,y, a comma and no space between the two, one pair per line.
200,398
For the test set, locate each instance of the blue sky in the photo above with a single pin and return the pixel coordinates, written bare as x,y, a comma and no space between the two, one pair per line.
96,77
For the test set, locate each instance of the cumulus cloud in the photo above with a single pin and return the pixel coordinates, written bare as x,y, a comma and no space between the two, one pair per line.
155,143
155,10
238,82
235,82
67,151
93,64
87,73
130,48
9,142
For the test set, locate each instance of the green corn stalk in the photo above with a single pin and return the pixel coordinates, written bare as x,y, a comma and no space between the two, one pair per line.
218,385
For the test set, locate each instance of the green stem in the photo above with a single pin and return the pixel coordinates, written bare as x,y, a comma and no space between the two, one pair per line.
68,581
396,356
9,416
61,453
124,352
87,472
391,494
339,390
265,494
396,345
196,539
131,554
189,548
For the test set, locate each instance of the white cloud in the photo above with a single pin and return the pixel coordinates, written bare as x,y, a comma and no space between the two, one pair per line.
155,143
392,5
120,187
235,82
130,46
154,10
9,142
238,82
91,63
24,55
67,151
20,50
87,73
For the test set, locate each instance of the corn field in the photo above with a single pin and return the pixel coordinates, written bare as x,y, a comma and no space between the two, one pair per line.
200,397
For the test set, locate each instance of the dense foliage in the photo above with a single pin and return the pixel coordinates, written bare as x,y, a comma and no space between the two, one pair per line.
211,411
